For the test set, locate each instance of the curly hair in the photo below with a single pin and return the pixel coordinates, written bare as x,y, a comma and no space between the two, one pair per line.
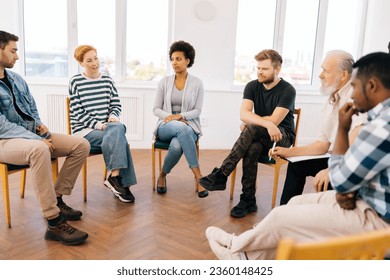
186,48
81,50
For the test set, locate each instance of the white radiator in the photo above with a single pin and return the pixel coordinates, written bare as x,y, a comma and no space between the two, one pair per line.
132,114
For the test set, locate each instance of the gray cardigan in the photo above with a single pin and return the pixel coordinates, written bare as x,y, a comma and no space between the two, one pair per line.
192,101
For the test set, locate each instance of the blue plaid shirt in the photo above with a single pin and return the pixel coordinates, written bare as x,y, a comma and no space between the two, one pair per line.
365,167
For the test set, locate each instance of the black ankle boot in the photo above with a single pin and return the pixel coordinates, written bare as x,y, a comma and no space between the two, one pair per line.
244,207
216,181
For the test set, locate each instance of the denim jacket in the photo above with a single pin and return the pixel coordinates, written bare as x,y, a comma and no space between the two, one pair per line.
12,125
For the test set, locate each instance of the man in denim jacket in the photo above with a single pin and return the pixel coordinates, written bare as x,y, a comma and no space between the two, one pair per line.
25,140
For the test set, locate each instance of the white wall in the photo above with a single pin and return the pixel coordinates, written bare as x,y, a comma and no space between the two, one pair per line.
214,43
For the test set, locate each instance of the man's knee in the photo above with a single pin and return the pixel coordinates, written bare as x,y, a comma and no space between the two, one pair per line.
82,145
39,151
257,129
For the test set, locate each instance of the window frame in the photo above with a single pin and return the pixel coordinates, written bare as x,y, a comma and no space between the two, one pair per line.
72,36
281,10
120,42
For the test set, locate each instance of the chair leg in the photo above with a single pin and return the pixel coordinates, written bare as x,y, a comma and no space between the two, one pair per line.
104,172
197,155
22,189
159,161
5,187
232,182
276,182
84,178
54,169
153,168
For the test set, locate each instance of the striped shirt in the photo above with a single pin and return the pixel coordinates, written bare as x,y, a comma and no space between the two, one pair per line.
92,102
365,167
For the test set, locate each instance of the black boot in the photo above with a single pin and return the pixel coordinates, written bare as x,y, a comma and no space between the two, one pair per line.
216,181
245,206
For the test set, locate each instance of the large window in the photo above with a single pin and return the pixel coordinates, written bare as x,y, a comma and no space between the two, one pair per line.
343,15
130,45
132,37
45,38
95,26
299,39
146,58
255,32
302,31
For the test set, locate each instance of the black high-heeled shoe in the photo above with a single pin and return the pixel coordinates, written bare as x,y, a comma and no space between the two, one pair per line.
203,194
162,190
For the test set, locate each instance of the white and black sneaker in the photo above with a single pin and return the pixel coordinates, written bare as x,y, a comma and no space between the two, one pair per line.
114,183
127,197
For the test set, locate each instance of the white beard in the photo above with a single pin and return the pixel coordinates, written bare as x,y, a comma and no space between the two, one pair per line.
328,90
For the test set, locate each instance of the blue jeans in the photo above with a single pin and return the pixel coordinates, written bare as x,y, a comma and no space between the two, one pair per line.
116,151
182,140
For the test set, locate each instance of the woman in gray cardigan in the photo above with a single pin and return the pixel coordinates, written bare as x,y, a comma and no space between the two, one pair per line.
178,105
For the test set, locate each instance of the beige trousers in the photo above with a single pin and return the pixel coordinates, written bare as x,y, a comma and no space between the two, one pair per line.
37,154
308,217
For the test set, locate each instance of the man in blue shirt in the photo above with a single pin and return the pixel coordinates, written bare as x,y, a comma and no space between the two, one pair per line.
359,174
25,140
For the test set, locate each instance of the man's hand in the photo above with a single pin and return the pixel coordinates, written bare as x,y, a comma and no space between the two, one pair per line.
279,152
49,144
274,133
345,116
321,180
41,129
346,201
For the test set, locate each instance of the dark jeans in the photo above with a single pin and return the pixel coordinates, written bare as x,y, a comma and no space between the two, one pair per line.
296,176
254,141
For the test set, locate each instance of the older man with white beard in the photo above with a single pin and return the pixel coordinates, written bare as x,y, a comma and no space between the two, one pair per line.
335,84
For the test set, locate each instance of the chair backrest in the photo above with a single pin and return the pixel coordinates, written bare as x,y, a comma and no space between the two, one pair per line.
68,128
297,113
365,246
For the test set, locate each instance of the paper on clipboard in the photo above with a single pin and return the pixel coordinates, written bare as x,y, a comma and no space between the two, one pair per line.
302,158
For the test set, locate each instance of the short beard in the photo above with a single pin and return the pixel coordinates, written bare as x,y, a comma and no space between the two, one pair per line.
268,81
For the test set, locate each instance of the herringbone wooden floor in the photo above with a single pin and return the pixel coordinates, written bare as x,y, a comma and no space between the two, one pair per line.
166,227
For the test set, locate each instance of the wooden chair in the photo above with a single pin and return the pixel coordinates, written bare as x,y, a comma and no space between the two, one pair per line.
92,152
365,246
274,163
160,146
6,170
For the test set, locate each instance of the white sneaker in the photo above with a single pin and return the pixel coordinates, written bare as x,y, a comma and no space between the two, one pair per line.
222,252
220,236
